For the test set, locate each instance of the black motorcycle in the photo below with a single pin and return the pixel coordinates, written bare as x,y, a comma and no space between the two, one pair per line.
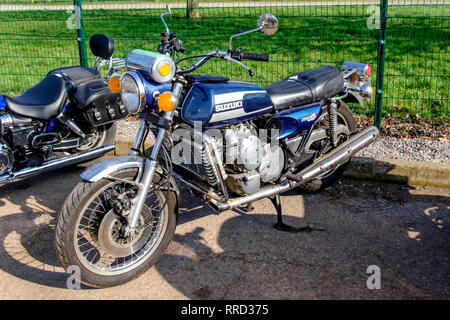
67,118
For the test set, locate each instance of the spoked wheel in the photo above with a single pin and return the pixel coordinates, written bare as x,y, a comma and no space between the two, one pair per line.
91,231
97,137
344,117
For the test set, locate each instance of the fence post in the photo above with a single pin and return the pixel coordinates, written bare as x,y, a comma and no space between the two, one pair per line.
81,36
380,63
192,9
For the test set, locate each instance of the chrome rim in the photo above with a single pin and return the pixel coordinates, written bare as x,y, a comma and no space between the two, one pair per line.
87,239
98,137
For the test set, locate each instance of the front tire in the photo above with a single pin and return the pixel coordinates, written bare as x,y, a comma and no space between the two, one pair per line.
87,221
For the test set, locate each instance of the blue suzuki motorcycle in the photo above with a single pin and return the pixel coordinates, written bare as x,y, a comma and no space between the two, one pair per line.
230,142
67,118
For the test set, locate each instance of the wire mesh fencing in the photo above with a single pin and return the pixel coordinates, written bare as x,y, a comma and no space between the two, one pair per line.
33,41
38,36
417,74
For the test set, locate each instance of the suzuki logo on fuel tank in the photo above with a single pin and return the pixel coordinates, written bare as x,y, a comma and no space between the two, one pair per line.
229,106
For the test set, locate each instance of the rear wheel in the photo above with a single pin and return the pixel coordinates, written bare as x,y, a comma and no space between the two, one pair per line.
90,231
344,117
98,137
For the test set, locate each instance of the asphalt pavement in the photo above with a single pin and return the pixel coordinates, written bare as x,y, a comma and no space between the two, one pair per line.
234,255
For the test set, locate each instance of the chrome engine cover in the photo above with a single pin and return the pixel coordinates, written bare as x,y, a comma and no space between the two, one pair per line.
6,122
253,159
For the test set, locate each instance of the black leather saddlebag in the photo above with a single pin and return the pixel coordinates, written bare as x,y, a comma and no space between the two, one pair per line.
100,105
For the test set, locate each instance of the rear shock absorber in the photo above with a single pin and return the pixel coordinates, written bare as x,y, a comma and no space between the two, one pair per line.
71,125
332,120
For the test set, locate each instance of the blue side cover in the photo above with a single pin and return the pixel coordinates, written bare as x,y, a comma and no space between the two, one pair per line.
296,120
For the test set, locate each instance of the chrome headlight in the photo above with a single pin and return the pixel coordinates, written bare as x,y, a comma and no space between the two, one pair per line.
132,92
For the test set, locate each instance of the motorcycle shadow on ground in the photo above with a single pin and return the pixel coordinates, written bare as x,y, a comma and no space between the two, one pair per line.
236,255
28,211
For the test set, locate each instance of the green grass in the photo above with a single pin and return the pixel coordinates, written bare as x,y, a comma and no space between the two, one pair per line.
57,2
417,60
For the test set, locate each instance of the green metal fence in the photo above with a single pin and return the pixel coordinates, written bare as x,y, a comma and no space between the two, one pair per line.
36,36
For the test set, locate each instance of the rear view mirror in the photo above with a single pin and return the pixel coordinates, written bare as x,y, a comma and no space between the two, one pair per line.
268,23
168,11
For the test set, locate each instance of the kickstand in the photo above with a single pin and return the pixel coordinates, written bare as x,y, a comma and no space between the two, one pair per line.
284,227
247,208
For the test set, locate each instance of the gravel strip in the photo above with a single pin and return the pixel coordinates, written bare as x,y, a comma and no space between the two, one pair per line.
383,148
127,128
415,149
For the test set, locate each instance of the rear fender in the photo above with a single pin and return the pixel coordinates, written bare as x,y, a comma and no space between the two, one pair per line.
354,97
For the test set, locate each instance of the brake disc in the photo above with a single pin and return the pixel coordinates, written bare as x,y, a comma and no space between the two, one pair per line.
112,240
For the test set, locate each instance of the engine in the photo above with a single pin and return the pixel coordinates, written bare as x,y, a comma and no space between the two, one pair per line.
15,135
249,160
244,160
6,154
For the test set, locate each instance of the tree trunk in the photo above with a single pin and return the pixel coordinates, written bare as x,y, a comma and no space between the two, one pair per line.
192,9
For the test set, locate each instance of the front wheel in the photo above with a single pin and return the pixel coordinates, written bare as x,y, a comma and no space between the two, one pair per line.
90,231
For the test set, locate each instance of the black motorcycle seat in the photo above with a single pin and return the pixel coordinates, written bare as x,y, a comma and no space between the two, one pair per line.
306,87
43,101
76,75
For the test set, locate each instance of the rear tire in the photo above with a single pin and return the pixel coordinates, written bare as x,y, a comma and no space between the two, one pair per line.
68,229
327,179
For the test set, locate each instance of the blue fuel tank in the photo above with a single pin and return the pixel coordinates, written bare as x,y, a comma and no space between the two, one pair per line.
217,104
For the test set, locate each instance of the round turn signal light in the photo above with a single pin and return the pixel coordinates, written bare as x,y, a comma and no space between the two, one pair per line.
114,83
166,101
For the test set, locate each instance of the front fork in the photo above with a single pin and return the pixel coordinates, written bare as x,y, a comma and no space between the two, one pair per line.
150,164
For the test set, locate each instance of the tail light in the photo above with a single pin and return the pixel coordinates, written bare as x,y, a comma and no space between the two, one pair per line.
362,69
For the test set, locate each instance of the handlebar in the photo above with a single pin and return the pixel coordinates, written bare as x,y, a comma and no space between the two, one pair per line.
235,56
202,60
240,55
255,56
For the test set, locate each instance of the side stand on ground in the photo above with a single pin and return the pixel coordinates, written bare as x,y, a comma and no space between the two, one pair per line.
284,227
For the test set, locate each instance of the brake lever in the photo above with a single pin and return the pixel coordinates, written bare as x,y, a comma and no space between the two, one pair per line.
229,58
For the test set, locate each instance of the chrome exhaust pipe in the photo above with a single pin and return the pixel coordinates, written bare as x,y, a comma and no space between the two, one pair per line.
56,164
338,156
331,160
